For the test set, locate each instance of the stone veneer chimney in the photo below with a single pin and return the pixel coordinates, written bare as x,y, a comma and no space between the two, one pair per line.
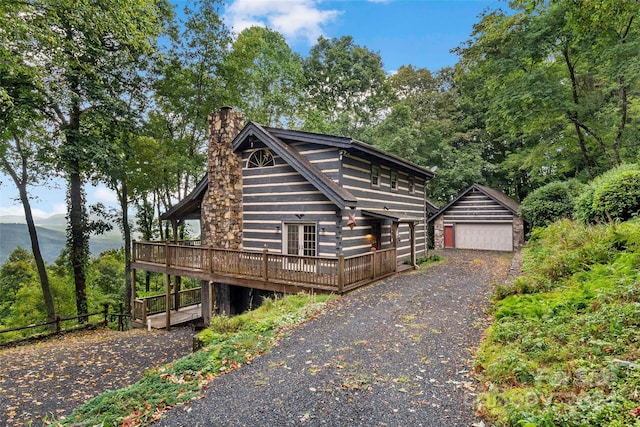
221,219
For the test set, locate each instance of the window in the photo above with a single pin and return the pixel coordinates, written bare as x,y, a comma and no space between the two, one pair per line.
300,239
394,180
412,185
261,158
375,176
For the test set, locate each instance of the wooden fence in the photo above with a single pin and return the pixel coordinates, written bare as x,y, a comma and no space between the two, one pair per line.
57,326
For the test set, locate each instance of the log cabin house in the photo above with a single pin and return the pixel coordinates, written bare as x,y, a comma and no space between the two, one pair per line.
283,210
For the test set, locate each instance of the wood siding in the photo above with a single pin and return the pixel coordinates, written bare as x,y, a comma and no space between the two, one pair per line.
356,178
278,195
477,207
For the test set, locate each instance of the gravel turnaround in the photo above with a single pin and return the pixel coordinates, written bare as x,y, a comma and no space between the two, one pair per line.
43,381
396,353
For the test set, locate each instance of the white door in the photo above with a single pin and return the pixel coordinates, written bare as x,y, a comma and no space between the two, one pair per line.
493,237
300,240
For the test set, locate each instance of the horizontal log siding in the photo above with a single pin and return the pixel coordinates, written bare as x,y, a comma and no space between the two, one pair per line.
476,207
274,196
356,178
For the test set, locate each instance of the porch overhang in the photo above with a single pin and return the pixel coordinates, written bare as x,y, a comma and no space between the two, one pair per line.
395,216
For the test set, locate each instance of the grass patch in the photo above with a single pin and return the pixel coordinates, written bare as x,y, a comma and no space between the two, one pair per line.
424,260
227,344
564,346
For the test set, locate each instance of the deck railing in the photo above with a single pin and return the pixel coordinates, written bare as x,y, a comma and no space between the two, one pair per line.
330,274
146,306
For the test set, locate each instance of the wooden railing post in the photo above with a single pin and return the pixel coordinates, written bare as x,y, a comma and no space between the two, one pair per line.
373,263
211,266
395,260
265,264
341,273
58,324
144,313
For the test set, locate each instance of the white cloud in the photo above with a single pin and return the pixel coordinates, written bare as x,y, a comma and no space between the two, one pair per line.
18,210
294,19
104,195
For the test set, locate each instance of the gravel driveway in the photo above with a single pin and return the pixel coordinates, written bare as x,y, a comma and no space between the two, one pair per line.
397,353
43,381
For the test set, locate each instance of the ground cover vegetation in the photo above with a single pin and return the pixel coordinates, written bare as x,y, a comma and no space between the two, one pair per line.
118,92
226,345
563,348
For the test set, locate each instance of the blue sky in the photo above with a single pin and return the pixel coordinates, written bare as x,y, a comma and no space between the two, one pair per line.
404,32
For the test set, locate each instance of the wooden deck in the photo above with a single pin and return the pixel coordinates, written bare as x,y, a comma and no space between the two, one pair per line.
264,270
258,270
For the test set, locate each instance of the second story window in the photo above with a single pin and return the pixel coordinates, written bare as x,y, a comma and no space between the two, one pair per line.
394,180
412,185
375,176
260,159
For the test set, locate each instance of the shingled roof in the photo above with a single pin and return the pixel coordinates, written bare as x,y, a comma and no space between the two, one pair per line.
277,140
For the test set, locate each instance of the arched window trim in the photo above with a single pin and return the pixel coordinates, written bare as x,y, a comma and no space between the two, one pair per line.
260,159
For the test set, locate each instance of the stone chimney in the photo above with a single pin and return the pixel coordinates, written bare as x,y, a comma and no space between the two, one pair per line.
221,219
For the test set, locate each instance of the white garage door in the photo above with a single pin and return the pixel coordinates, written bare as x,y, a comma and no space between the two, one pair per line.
495,237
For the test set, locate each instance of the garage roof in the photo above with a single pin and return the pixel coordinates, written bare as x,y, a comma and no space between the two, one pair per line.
501,198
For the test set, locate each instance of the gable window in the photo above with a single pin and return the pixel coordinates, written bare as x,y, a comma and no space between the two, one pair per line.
394,180
412,185
261,158
375,176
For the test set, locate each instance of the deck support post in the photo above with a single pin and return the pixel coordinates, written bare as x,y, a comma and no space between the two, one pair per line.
167,284
205,298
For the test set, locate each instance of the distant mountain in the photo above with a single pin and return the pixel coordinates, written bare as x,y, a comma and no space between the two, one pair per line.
52,239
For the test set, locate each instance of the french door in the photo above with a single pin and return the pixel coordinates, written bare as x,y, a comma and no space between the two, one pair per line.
300,240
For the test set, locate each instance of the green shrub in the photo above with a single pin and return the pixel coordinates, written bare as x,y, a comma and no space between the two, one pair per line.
612,196
551,202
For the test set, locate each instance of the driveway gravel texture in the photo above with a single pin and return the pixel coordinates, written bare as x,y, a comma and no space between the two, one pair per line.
395,353
43,381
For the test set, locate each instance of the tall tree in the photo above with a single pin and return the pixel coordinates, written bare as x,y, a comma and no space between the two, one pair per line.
264,77
557,80
346,87
187,89
427,125
85,58
22,138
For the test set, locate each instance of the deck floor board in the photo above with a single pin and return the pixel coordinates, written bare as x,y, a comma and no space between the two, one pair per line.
184,315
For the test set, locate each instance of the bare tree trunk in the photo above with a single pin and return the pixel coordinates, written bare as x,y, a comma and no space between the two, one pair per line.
21,184
623,120
123,195
78,240
573,115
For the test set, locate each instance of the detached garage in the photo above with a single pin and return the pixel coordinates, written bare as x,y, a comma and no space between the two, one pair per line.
479,218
